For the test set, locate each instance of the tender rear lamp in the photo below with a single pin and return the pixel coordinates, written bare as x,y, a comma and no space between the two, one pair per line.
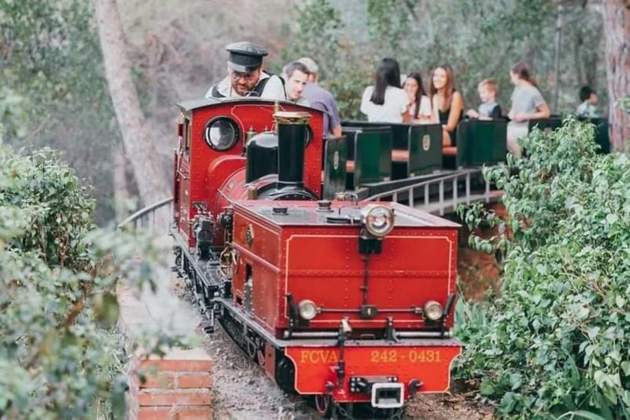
307,309
433,310
377,219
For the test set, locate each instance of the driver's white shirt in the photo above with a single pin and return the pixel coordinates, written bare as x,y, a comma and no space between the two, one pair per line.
274,89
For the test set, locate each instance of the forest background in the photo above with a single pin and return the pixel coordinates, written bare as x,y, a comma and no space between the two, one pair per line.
54,91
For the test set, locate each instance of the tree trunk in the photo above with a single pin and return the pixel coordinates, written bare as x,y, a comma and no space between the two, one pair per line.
121,190
140,151
617,30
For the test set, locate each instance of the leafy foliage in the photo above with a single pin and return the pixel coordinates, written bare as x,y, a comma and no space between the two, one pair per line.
556,339
60,353
57,213
53,91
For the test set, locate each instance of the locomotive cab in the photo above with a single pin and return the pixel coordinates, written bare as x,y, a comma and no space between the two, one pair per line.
211,167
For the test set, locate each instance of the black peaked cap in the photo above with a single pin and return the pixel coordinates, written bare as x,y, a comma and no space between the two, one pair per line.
245,56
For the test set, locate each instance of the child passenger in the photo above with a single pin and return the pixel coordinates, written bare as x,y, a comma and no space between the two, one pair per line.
489,108
588,107
386,101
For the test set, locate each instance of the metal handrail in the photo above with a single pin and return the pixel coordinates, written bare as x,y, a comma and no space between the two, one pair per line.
459,174
146,211
443,203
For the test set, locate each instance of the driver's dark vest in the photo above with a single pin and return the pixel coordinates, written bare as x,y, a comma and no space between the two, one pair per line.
256,92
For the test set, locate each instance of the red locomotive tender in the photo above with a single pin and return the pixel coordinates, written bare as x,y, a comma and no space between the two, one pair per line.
347,301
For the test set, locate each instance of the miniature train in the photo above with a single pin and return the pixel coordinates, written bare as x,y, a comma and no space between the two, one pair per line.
344,300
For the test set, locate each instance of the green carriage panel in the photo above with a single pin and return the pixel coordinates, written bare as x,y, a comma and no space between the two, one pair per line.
545,124
481,142
336,152
370,150
425,148
421,144
601,129
602,136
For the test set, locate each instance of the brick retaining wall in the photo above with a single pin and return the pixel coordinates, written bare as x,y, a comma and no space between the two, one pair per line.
176,387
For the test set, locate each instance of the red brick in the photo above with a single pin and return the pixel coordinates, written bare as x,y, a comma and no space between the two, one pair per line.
178,365
194,380
161,380
155,413
175,413
154,397
193,413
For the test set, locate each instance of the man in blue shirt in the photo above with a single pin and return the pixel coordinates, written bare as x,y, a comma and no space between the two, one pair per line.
320,98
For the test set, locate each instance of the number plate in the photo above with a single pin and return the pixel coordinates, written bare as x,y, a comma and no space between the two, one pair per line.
405,355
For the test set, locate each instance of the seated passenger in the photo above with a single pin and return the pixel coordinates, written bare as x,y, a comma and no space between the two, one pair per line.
320,98
296,76
489,109
386,101
245,75
588,107
419,103
527,104
447,103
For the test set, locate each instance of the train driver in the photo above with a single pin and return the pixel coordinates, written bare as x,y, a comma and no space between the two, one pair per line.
245,75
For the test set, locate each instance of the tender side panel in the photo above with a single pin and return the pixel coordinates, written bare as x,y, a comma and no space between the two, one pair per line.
258,246
430,363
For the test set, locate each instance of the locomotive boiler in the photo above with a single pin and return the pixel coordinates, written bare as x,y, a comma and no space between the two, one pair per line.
342,300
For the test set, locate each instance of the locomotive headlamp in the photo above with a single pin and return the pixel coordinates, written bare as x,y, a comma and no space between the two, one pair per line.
221,133
307,309
378,220
433,310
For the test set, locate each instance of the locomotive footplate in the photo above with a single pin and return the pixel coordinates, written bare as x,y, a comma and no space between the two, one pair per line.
385,374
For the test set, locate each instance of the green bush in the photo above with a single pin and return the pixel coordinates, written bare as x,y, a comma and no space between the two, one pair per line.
60,353
557,338
56,206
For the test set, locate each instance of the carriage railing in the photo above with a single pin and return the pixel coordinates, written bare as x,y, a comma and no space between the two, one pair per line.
437,195
443,194
155,218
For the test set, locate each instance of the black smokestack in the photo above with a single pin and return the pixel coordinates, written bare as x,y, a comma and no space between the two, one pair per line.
292,130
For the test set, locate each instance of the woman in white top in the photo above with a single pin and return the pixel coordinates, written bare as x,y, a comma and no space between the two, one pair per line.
386,101
419,104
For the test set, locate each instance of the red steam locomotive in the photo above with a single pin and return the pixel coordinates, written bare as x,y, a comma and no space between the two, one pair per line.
347,301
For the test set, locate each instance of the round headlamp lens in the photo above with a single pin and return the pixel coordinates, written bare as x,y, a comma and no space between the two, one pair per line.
221,133
433,310
379,220
307,309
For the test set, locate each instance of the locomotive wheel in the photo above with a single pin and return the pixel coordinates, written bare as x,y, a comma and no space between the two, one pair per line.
251,349
323,404
285,374
260,358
